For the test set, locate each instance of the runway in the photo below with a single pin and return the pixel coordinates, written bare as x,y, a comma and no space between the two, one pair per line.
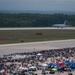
35,46
37,28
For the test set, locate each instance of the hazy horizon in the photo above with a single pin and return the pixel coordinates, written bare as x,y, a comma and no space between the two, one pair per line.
38,5
38,12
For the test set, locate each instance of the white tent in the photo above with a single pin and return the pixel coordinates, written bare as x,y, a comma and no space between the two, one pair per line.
33,67
18,56
23,68
39,54
2,71
44,65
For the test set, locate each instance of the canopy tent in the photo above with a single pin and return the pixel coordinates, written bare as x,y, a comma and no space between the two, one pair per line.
53,65
67,62
23,68
32,67
73,66
39,54
70,64
54,69
44,65
19,56
60,64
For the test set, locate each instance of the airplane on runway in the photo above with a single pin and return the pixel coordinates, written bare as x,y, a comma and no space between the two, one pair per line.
60,25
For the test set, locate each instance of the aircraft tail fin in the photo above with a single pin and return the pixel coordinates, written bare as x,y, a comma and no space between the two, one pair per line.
65,22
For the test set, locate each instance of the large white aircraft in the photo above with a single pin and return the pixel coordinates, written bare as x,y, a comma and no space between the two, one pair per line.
60,25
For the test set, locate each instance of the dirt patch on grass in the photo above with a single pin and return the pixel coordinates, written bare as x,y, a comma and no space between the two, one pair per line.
5,38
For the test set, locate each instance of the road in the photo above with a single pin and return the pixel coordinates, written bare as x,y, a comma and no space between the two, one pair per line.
35,46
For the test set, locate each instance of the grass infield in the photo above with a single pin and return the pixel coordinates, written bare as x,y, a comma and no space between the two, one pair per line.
17,36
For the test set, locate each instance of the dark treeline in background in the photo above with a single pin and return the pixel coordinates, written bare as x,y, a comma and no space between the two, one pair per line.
34,20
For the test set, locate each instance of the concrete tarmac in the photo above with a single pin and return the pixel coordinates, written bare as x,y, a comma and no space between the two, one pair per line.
35,46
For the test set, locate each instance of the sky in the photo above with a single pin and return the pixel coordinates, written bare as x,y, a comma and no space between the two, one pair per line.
43,5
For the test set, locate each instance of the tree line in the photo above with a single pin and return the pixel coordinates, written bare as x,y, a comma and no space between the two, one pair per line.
34,20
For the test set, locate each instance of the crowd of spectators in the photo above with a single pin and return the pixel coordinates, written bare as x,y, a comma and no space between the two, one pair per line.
14,64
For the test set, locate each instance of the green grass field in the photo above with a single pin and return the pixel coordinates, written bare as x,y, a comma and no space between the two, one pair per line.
17,36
